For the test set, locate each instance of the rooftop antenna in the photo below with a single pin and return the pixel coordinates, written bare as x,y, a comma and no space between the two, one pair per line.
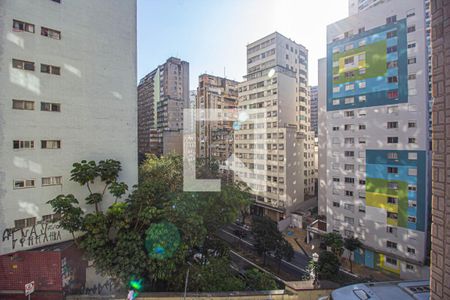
224,72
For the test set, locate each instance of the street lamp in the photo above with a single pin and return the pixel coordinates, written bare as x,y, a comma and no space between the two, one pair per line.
315,258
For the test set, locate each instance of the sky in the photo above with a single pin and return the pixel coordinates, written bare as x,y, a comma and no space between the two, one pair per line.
212,35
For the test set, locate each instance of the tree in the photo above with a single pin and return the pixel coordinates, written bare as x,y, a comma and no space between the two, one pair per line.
351,244
328,265
257,280
265,232
152,234
283,250
270,240
335,242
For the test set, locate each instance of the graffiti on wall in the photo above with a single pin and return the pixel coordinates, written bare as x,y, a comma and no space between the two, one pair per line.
35,235
101,288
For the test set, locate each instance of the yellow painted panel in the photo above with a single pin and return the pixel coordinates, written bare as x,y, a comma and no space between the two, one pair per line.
389,267
380,201
392,222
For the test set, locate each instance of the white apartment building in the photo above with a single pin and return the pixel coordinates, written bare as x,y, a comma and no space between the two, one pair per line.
273,142
67,93
373,135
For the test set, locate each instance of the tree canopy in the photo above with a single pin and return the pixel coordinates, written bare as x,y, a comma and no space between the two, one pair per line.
156,230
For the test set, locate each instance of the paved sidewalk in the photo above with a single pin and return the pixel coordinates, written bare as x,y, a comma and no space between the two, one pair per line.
297,238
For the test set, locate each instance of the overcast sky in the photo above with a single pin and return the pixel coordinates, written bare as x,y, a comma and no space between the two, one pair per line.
212,34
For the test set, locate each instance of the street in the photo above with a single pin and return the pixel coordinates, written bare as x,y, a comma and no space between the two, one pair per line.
296,268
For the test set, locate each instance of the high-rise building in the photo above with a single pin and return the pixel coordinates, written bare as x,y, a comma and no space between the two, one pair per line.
314,96
377,178
215,138
162,96
273,143
356,6
440,228
63,100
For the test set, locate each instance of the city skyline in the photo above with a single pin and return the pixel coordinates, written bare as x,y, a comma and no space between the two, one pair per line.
208,34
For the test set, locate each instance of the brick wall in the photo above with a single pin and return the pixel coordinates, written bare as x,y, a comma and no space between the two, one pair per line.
440,229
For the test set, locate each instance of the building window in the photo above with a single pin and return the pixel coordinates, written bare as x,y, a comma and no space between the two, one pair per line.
392,215
392,64
55,180
411,140
412,60
391,49
412,155
336,204
57,1
23,184
392,125
411,28
410,267
50,218
412,188
392,155
23,64
392,79
54,107
22,26
392,94
362,127
411,219
391,261
412,124
391,245
349,114
392,230
391,34
23,104
349,193
362,182
412,203
411,45
23,144
392,200
392,170
49,69
393,185
412,172
51,33
23,223
391,19
392,140
349,220
51,144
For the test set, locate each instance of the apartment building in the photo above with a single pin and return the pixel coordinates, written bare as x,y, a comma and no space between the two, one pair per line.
162,96
273,142
376,177
314,96
67,93
215,138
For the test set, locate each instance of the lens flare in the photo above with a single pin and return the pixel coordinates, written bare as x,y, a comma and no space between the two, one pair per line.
236,125
136,284
162,240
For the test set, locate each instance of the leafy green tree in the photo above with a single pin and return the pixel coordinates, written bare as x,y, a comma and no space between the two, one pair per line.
215,276
335,242
270,240
328,265
283,250
70,216
128,240
257,280
351,244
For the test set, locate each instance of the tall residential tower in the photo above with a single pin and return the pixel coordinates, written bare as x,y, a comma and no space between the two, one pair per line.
67,93
273,143
377,183
162,96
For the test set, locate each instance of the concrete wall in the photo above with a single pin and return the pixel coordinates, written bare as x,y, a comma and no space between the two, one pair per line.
440,229
97,93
